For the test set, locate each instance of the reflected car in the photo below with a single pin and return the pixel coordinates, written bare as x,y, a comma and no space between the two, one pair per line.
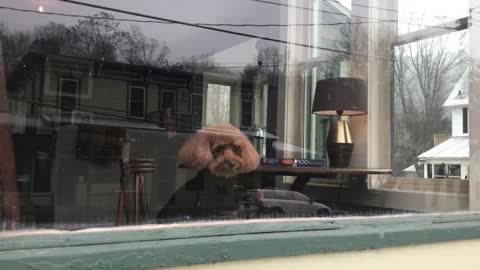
277,203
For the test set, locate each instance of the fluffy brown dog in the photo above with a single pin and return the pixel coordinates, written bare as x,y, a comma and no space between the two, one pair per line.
223,149
222,155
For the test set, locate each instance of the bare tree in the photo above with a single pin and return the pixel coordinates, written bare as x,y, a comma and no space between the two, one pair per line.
425,72
14,46
95,37
432,62
197,64
51,38
136,48
271,65
401,85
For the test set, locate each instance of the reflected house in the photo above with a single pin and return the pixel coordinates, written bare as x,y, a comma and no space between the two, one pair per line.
73,117
450,158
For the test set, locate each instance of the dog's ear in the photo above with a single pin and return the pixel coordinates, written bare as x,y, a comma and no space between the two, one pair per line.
250,157
195,153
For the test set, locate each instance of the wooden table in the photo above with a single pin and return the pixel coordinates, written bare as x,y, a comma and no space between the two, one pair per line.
304,174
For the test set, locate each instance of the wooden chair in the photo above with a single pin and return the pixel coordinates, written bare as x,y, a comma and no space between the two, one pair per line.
133,210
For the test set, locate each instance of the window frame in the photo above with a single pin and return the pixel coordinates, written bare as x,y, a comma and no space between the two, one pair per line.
130,102
76,96
209,94
465,120
230,80
162,92
242,111
85,78
454,26
159,246
191,102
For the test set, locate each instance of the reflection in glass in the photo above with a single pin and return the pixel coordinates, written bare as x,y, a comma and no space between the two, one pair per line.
90,91
218,104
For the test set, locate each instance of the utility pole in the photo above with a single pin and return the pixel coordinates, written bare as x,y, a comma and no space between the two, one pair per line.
11,207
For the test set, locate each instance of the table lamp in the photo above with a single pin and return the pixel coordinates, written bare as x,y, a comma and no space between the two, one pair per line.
340,97
256,134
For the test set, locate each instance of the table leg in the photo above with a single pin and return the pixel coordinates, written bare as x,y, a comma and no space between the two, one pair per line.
122,204
299,183
267,180
137,179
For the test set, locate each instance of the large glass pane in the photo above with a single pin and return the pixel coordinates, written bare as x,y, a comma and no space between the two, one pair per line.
123,113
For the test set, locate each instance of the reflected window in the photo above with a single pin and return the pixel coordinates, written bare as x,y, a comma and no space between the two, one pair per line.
136,102
169,98
301,197
454,170
218,104
247,113
68,95
196,107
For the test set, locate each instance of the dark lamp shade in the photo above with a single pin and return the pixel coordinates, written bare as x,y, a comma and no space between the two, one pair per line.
348,95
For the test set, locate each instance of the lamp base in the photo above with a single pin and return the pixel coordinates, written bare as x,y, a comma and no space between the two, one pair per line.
339,154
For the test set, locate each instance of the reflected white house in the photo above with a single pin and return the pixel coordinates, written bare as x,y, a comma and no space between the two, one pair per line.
450,159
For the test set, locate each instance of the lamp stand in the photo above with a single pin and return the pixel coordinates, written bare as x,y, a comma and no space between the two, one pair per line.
339,143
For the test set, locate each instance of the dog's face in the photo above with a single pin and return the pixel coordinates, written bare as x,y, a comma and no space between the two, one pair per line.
223,149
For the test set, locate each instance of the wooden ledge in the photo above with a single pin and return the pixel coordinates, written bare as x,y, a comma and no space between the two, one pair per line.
314,171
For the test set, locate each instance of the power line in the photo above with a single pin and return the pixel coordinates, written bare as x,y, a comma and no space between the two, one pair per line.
18,97
308,9
204,24
472,9
253,65
226,31
76,15
218,24
353,4
389,9
98,113
342,14
378,8
203,27
221,30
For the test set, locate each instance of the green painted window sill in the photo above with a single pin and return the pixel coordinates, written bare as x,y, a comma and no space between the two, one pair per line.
146,247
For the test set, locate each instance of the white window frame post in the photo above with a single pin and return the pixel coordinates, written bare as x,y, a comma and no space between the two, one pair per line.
473,111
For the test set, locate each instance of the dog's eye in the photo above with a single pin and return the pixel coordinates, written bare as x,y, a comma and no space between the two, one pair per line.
218,151
237,150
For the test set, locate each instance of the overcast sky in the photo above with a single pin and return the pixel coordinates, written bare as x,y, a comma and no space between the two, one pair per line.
182,40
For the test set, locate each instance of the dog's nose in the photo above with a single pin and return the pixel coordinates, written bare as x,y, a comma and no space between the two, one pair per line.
230,163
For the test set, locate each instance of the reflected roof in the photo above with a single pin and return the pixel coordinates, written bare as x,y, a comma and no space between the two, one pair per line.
459,94
452,149
410,169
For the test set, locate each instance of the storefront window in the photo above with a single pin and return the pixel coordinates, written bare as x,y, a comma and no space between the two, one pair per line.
116,113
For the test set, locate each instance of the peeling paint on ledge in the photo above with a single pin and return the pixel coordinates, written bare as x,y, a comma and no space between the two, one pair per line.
144,247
